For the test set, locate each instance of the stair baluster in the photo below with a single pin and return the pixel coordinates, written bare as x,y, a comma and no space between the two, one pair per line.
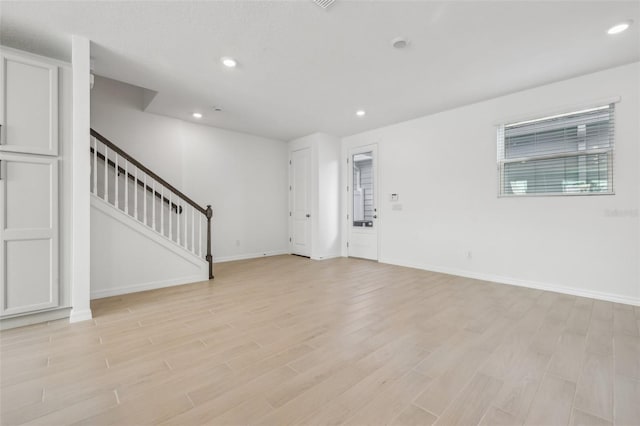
176,203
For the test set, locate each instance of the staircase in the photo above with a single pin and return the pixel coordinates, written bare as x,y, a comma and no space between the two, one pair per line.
123,183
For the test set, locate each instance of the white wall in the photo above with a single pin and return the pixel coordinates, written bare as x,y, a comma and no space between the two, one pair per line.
325,192
443,167
127,256
243,177
155,140
327,234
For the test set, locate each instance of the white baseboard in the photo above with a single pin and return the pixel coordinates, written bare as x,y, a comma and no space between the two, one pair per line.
326,256
34,318
77,316
99,294
627,300
249,256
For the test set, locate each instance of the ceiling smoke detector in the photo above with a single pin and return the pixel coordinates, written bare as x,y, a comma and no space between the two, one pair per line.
399,42
324,3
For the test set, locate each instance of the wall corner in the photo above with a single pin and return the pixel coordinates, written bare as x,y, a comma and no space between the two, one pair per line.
81,207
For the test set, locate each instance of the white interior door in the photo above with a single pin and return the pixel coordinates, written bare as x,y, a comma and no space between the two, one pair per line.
28,233
363,199
301,202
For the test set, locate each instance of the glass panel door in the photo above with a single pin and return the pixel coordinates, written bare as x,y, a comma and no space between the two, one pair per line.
363,232
364,210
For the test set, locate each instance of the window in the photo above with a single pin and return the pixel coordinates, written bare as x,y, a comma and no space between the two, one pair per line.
566,154
363,210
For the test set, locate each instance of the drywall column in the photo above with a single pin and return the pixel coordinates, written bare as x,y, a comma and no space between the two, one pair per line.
81,207
327,232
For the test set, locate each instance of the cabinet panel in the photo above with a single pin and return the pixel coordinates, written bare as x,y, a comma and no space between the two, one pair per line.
28,233
29,105
28,195
28,276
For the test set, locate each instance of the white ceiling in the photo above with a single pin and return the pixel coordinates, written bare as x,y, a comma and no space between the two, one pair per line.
303,69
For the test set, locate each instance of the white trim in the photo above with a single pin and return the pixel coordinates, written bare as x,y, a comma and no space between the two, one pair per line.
34,318
152,285
553,117
359,149
610,297
250,256
80,232
137,226
345,152
326,256
77,316
35,57
560,110
143,229
310,195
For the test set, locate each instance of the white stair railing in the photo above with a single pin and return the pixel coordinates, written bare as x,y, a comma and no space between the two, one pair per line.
121,181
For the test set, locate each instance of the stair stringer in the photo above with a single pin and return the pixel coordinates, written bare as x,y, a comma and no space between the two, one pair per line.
128,256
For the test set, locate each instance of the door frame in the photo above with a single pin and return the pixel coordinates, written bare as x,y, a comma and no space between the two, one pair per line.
350,152
309,196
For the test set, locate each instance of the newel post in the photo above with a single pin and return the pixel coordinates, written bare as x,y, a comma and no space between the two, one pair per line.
209,256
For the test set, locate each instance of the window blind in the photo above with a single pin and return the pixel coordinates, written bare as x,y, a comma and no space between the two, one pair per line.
565,154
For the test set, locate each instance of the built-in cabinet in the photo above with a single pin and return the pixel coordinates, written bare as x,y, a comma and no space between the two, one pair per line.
29,185
314,196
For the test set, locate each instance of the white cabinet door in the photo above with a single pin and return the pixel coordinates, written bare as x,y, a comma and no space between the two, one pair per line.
28,105
28,233
301,202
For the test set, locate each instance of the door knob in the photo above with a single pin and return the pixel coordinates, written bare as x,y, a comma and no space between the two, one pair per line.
375,216
308,215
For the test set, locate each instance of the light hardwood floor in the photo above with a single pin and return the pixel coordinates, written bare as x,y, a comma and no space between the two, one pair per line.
285,340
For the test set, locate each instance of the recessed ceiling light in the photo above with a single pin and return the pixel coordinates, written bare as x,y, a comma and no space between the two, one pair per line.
399,42
197,115
361,113
228,62
618,28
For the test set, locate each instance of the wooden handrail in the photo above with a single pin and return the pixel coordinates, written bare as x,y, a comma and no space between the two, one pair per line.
208,212
147,171
140,182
